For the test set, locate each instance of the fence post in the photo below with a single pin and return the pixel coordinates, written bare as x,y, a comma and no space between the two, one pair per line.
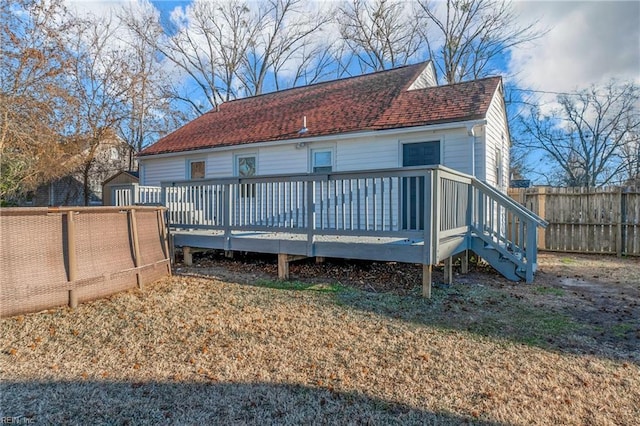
620,219
542,212
136,245
167,251
72,259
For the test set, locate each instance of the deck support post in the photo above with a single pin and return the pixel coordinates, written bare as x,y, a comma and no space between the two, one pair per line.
426,281
464,262
228,254
320,259
283,266
187,256
448,270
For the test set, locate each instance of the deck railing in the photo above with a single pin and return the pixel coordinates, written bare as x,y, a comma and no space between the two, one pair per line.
425,204
132,194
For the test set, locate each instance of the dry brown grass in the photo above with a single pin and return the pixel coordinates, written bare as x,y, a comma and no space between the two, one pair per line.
195,349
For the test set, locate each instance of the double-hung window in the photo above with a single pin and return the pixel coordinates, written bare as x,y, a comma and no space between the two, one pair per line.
322,160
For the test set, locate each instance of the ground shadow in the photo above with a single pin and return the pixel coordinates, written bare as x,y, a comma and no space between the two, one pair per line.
482,302
97,402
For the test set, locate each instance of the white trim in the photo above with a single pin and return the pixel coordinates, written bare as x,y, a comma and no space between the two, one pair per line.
329,138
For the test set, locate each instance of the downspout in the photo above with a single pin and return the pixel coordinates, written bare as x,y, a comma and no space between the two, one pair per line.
472,141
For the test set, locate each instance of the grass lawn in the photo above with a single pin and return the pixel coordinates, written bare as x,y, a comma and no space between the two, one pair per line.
194,350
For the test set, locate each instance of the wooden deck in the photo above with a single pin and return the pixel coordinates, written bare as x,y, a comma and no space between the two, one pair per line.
414,215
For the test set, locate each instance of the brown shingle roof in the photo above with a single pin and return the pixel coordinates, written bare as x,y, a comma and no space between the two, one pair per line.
369,102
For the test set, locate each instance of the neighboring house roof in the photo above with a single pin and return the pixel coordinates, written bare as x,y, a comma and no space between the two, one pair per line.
377,101
135,175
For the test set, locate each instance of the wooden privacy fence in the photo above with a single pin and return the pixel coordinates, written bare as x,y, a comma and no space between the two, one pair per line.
586,220
57,256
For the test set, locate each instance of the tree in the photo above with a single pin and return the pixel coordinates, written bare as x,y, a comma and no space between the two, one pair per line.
380,34
228,48
469,36
630,154
99,86
149,107
590,138
285,36
35,103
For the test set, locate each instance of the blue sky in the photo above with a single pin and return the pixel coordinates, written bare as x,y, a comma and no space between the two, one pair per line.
588,42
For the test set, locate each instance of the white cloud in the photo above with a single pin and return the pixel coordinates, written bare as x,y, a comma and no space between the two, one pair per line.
589,42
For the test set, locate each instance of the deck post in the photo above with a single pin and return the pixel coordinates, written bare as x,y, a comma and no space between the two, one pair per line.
187,256
464,262
448,270
320,259
283,266
309,211
426,281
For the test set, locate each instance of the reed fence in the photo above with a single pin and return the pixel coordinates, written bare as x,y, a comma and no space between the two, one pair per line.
57,256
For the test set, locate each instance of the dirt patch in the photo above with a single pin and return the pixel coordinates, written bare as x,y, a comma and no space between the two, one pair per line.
586,304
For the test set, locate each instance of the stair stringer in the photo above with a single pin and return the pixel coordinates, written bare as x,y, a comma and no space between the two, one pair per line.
496,259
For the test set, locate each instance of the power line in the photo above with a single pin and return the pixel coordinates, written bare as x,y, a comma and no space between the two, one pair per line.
546,92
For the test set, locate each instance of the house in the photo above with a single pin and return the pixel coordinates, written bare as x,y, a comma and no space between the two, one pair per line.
385,166
387,119
111,156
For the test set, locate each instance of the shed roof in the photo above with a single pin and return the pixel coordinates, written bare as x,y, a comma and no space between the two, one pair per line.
377,101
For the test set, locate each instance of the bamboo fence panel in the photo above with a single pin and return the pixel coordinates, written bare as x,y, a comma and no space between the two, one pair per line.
586,220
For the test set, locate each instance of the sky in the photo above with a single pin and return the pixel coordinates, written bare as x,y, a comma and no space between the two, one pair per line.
587,42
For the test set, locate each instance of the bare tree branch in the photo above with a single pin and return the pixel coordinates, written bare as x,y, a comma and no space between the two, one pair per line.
472,34
380,34
591,139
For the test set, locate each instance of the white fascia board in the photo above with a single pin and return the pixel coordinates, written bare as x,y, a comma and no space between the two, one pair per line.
332,138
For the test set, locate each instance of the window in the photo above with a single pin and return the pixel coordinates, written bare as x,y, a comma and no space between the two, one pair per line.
246,167
196,169
322,161
115,155
421,154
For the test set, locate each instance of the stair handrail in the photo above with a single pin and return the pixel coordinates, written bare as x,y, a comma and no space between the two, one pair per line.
509,202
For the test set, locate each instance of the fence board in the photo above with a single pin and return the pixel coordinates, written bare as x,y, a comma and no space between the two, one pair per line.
586,220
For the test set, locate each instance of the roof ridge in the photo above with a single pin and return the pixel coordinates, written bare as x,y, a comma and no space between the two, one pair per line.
459,83
342,79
